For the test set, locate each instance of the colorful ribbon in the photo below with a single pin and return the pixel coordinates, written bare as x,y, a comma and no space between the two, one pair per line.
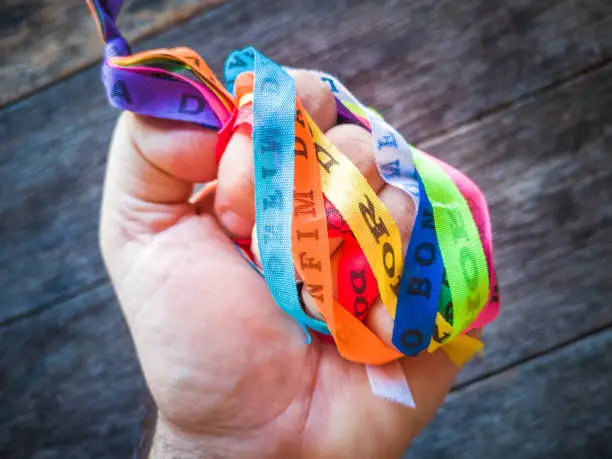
442,284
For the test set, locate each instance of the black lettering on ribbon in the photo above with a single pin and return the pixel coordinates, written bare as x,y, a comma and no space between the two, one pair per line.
448,312
271,145
360,306
120,91
436,335
411,338
469,269
315,290
309,262
273,201
428,220
377,228
420,286
395,287
300,147
272,265
425,253
271,229
269,86
191,105
161,76
326,160
444,278
495,294
268,233
299,118
389,268
358,281
196,62
313,234
236,61
304,204
265,173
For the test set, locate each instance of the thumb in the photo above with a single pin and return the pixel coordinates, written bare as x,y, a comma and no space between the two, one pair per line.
152,167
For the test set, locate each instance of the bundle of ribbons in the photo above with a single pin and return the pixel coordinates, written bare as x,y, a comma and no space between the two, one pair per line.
307,191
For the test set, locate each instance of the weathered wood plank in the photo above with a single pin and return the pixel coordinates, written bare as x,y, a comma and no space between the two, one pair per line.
555,406
71,387
54,143
543,166
516,42
43,40
71,384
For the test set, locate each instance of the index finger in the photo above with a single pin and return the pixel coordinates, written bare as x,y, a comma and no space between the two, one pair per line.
235,199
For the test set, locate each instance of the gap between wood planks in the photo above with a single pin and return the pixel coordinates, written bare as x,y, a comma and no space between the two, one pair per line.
440,136
55,302
178,17
524,360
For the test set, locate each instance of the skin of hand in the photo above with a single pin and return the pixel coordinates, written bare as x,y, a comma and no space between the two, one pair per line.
230,373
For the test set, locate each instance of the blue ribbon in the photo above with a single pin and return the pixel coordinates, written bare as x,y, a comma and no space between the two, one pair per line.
274,163
417,303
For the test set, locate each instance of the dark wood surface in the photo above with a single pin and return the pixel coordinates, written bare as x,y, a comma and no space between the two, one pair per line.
557,406
44,40
71,384
541,165
517,94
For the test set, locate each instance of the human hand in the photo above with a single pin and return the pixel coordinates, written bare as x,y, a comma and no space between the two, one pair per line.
229,371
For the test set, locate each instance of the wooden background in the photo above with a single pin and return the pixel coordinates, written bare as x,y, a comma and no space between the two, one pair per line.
517,93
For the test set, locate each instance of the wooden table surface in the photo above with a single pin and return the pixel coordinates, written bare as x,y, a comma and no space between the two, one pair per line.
517,93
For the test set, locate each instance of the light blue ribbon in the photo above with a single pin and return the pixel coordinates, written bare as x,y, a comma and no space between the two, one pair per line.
274,163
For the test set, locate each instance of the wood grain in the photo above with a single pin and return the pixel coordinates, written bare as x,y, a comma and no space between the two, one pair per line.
71,388
54,143
45,40
42,41
71,384
555,406
542,167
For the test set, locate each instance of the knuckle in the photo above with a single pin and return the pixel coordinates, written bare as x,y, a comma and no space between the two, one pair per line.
356,143
317,98
401,208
